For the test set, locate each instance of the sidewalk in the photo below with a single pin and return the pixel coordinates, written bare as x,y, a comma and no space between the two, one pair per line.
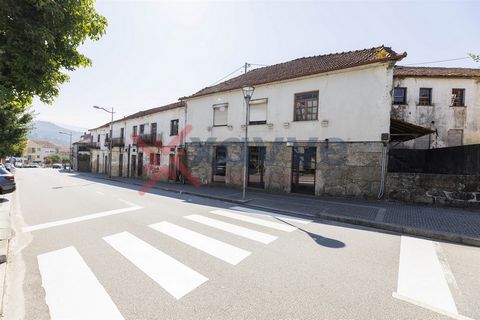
447,224
5,235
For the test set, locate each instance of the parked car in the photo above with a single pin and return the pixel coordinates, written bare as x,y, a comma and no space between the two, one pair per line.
10,167
57,166
7,181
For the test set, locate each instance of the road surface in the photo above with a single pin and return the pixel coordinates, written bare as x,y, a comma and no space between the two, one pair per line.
87,248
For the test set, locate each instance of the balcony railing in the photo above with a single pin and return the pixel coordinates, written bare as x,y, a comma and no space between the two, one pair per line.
149,139
93,145
118,142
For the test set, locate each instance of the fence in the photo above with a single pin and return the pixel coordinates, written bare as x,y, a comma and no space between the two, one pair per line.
461,160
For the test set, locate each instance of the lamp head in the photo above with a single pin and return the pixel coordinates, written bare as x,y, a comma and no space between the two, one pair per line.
248,91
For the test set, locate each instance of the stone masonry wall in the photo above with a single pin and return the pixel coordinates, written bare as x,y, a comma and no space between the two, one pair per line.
343,169
438,189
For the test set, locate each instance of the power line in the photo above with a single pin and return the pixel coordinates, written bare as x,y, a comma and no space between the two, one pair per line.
228,75
438,61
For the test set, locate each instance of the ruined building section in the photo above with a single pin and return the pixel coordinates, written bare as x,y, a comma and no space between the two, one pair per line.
446,100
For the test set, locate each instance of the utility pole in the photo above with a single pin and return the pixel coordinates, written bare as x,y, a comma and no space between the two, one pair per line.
247,65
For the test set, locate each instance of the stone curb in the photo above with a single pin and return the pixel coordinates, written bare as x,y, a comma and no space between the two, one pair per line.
431,234
4,246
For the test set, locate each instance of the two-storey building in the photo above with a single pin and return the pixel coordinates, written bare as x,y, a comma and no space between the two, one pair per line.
317,125
446,100
141,143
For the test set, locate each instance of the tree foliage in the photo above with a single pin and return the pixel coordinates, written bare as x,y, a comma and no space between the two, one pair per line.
39,42
55,158
475,57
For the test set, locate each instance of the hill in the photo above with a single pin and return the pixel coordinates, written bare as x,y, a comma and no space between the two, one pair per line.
48,131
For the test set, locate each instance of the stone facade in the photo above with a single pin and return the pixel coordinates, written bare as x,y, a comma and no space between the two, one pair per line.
342,169
438,189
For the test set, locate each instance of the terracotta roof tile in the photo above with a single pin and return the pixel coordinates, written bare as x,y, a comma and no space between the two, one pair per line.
304,67
435,72
143,113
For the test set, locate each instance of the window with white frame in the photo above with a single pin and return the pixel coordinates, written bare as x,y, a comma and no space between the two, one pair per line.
258,111
220,114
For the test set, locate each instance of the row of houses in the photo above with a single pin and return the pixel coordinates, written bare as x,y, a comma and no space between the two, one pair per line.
321,125
37,150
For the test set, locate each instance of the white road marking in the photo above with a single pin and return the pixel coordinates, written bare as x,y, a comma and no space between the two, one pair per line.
173,276
279,216
72,290
216,248
261,222
127,202
79,219
100,193
421,277
239,231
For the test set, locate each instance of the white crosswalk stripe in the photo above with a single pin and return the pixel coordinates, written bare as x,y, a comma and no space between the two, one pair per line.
175,277
216,248
276,215
72,290
421,279
237,230
260,222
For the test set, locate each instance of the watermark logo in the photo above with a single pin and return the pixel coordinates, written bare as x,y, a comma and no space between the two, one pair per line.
175,154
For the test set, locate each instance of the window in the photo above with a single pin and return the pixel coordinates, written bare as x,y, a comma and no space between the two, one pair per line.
306,106
220,114
400,95
153,129
157,159
458,97
152,158
98,138
425,97
258,111
142,129
134,131
122,132
174,127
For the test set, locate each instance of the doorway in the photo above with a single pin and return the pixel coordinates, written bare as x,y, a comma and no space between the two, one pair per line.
133,171
120,165
219,164
304,164
256,166
140,164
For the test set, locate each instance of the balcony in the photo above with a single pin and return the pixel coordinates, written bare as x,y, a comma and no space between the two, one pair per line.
151,139
118,142
93,145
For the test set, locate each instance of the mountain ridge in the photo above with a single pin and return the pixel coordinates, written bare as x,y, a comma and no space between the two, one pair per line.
49,131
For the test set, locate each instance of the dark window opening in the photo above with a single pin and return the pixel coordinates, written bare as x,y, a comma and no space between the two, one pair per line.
458,97
425,97
174,127
400,95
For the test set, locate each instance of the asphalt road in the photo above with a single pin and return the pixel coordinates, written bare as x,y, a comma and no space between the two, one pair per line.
91,249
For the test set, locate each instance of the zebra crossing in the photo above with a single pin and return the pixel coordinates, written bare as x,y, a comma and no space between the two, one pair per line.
72,288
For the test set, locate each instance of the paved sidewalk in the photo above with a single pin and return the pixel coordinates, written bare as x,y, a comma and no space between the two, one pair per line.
5,235
448,224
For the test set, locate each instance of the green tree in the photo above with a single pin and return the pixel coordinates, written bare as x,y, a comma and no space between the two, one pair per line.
14,127
475,57
39,42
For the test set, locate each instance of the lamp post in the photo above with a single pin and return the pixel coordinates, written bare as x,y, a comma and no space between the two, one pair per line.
70,154
111,138
247,94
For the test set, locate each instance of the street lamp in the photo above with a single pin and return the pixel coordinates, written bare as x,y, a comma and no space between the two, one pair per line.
70,155
111,138
247,94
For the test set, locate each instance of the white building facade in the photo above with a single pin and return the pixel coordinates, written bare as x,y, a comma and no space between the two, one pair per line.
444,99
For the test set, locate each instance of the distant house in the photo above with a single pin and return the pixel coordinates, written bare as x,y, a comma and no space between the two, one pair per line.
37,150
446,100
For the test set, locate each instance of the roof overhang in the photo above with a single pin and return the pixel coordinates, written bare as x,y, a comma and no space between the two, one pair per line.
401,131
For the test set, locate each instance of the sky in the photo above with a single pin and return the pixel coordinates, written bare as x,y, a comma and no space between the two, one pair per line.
154,52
